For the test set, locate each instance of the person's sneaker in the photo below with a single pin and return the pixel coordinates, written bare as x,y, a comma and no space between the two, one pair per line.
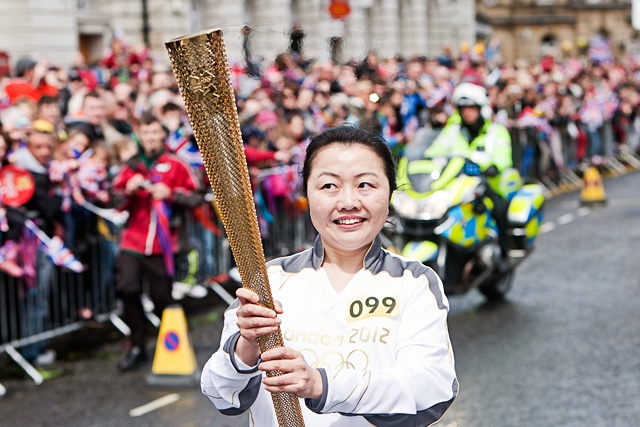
147,304
133,359
197,292
179,290
46,358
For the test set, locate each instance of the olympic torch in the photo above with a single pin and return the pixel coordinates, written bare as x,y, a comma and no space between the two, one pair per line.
200,64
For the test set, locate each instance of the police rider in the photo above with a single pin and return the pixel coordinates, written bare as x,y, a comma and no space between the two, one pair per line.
470,133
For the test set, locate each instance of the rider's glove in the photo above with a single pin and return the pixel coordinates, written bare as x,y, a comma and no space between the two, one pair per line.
491,171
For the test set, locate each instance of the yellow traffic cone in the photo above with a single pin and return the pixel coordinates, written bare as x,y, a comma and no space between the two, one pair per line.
593,190
174,362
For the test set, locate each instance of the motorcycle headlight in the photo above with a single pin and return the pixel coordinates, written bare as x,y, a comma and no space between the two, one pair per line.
433,206
437,205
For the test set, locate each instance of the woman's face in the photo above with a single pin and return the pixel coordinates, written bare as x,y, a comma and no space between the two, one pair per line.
50,112
289,99
305,98
296,127
348,195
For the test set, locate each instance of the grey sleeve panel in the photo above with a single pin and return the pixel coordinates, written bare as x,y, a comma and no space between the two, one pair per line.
246,397
421,419
379,260
310,258
314,404
234,304
230,347
435,289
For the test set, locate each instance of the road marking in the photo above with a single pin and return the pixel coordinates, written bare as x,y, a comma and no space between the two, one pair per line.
155,404
627,202
584,211
565,219
547,227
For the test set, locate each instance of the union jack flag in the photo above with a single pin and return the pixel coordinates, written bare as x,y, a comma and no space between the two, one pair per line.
59,254
591,115
62,256
179,142
600,49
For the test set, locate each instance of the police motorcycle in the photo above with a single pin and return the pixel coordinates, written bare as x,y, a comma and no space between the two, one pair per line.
444,220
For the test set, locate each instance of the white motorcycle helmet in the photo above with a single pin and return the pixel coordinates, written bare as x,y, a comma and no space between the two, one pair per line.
469,94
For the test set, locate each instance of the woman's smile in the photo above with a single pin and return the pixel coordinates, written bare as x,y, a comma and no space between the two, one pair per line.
349,221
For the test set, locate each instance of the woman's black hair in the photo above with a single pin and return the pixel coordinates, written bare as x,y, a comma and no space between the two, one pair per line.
349,134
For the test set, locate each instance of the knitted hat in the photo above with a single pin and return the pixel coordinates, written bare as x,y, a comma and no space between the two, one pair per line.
23,65
266,117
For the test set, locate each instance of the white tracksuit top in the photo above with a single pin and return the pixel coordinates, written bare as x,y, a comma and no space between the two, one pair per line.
381,344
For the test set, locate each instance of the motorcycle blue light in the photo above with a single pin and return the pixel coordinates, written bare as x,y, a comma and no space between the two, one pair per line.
471,169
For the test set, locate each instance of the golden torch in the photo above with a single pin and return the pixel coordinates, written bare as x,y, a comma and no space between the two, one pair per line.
200,64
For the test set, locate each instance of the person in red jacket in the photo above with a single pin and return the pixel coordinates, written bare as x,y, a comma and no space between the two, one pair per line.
155,185
30,81
257,154
21,85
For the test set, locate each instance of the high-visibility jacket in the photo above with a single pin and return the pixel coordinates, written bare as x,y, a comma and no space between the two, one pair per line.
492,146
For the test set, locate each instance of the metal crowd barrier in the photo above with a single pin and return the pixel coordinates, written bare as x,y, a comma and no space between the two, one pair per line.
68,297
533,157
30,317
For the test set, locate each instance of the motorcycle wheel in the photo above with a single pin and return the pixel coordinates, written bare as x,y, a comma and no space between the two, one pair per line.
497,287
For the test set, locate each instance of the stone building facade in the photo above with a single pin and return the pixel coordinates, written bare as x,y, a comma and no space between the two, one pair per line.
60,28
529,29
526,28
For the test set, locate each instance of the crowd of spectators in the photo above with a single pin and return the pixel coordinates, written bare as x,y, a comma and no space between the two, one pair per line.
74,128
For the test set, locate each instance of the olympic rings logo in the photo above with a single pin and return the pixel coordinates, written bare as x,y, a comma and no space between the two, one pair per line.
356,360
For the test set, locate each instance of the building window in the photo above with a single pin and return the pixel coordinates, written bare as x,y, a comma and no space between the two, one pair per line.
549,46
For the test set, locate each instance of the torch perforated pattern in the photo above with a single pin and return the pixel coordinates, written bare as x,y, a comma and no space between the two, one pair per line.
200,64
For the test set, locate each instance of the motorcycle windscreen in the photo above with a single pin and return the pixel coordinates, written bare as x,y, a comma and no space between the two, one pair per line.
427,175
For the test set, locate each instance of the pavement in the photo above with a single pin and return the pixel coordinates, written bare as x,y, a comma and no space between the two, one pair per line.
84,388
103,340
